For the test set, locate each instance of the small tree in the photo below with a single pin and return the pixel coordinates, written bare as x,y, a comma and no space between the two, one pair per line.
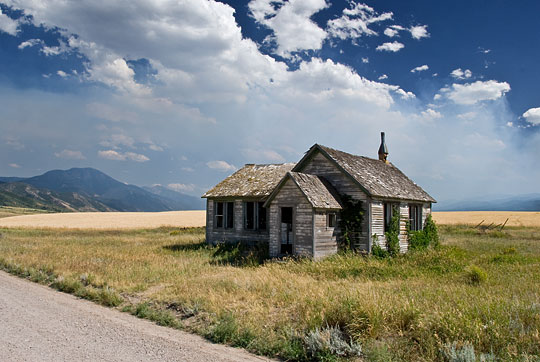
392,235
350,221
431,232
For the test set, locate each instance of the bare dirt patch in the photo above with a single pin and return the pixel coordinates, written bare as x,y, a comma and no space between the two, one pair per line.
108,220
515,218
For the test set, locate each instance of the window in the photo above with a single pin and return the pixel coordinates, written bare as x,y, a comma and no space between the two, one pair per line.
331,220
388,209
219,214
249,210
415,217
261,216
224,214
229,216
254,215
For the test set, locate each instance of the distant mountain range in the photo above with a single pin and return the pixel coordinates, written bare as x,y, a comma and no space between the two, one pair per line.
528,202
87,189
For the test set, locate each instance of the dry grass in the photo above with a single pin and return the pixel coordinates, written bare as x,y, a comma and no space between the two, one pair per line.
407,308
515,218
108,220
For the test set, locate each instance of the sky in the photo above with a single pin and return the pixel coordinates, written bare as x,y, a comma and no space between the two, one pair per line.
183,93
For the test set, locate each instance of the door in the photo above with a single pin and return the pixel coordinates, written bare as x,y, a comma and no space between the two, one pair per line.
287,235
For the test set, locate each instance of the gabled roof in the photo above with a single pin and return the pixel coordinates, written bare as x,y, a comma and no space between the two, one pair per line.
319,192
251,181
377,178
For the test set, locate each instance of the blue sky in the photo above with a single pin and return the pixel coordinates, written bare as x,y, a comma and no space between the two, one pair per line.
184,93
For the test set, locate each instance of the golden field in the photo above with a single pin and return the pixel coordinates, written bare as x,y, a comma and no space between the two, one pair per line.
515,218
19,217
108,220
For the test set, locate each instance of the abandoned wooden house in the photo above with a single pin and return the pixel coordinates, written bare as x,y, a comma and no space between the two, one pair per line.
295,208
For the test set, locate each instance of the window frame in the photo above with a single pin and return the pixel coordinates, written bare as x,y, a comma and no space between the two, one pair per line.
388,210
255,216
226,215
331,220
260,208
415,220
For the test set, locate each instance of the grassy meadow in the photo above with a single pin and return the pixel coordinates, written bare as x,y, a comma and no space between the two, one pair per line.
477,295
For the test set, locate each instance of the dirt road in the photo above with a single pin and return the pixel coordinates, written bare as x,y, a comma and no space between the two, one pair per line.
40,324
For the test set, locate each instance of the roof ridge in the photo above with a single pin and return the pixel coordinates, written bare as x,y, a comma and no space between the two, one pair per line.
350,154
270,164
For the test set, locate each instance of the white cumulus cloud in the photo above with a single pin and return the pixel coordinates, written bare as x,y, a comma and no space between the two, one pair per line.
391,47
118,156
532,116
393,30
478,91
355,22
220,166
461,74
291,23
420,68
419,31
431,114
30,43
8,25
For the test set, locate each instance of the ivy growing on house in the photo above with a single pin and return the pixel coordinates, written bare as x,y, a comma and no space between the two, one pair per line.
350,222
392,235
422,239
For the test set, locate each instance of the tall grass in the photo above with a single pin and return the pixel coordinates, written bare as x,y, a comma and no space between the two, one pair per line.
412,307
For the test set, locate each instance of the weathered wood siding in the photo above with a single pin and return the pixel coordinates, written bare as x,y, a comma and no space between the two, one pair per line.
426,210
209,220
377,222
238,233
319,165
325,237
290,196
403,218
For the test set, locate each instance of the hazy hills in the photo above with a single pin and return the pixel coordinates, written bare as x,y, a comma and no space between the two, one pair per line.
87,189
528,202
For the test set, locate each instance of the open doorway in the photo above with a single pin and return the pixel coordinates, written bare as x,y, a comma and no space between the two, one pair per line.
287,235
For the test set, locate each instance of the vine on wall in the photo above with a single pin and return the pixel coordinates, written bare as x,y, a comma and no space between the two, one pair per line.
392,235
350,222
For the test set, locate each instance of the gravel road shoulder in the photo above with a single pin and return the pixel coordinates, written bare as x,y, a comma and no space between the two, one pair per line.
41,324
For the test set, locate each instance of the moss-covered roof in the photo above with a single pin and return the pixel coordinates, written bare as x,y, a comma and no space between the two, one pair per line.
376,177
319,192
251,181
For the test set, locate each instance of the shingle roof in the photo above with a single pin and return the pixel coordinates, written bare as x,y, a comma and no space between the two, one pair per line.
251,181
319,192
376,177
